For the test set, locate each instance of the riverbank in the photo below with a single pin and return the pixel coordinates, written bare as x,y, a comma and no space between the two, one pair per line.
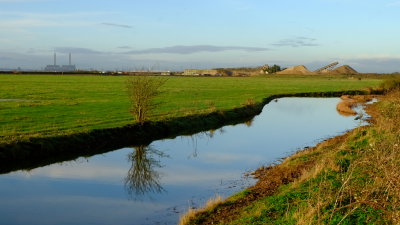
349,179
44,151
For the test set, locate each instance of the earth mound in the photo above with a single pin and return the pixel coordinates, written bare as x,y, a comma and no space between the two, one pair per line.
346,69
301,69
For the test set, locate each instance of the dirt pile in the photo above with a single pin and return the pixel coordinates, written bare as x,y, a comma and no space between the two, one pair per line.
295,70
346,69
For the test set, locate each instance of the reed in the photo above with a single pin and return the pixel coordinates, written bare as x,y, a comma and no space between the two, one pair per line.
192,213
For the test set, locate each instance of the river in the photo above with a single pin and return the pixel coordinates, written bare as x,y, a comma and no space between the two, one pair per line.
155,184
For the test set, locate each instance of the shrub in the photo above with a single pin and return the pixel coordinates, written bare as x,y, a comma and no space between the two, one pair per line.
142,91
391,84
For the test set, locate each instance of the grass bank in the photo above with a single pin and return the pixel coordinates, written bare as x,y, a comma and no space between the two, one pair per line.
37,106
350,179
41,151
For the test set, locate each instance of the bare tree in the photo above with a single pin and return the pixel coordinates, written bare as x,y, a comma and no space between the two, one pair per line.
142,92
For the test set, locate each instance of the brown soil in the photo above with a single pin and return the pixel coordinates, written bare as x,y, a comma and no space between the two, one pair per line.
296,70
346,69
301,69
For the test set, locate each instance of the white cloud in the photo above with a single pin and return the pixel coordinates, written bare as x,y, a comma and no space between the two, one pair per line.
181,174
86,171
230,158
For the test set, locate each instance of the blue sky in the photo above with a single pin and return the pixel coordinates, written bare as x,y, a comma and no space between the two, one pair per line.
177,34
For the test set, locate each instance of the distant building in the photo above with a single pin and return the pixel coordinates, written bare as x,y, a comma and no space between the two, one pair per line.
200,72
166,73
58,68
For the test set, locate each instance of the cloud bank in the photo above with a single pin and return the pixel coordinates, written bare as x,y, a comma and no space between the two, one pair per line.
117,25
181,49
296,42
378,65
76,50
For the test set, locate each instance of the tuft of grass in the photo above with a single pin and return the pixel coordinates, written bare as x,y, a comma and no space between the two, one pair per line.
249,102
192,213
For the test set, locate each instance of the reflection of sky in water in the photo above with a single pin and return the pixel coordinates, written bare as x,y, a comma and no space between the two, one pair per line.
92,191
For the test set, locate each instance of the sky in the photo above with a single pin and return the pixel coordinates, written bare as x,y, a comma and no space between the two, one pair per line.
183,34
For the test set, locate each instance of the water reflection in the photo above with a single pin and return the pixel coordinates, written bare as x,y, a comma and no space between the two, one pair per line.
199,137
249,123
143,177
206,135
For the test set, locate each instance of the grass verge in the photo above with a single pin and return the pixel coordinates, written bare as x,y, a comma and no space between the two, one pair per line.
350,179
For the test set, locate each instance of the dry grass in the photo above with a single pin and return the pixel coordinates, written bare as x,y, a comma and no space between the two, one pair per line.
192,213
249,102
370,186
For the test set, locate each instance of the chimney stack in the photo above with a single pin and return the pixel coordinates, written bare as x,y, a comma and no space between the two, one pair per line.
55,59
70,59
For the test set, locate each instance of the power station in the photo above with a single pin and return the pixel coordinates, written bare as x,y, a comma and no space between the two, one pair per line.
62,68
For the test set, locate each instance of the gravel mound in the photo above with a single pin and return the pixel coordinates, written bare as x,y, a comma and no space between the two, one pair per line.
301,69
346,69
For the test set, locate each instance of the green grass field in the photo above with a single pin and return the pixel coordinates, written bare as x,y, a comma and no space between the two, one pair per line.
50,105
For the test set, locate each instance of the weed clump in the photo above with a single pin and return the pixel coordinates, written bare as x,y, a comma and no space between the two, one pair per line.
192,213
390,85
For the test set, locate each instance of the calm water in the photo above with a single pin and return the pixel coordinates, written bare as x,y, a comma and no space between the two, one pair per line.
155,184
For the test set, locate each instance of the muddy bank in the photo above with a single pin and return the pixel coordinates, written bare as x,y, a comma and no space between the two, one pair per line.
347,105
44,151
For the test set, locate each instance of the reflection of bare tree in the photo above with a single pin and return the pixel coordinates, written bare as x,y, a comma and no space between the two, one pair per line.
142,177
194,138
249,123
211,133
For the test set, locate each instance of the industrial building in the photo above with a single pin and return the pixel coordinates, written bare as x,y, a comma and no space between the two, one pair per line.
200,72
62,68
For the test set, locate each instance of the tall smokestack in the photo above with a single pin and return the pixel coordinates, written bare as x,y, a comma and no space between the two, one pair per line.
55,59
70,59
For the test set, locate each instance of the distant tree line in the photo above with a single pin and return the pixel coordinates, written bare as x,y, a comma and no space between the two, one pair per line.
274,69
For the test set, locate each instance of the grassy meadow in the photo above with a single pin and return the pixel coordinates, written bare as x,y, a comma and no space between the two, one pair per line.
51,105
